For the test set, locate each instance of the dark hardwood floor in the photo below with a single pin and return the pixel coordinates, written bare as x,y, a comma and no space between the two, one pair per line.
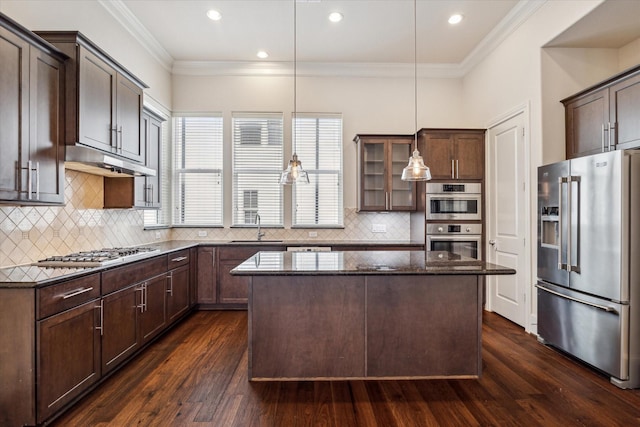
196,375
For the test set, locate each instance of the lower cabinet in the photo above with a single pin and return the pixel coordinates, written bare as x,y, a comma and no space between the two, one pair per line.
120,326
64,338
68,356
232,289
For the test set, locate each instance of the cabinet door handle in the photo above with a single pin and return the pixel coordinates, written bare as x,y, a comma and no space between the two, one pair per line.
170,290
457,169
114,132
602,139
76,292
609,136
180,258
119,147
453,169
29,166
101,327
142,291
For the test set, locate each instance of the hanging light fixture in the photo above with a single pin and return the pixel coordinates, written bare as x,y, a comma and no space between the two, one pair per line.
416,169
294,174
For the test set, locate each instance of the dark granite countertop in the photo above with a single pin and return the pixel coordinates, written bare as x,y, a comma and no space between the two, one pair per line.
364,263
30,275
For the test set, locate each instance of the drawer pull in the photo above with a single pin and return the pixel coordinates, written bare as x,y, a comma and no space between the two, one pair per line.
76,292
180,258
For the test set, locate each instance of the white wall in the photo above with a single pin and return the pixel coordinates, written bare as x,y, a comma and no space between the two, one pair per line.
368,105
93,20
630,55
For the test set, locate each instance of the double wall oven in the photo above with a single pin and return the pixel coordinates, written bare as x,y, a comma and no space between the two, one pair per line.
454,218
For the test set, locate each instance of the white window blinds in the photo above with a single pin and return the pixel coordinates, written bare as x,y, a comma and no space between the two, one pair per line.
257,164
198,168
318,143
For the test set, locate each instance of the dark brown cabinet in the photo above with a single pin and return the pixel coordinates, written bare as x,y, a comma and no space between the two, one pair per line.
453,154
207,278
141,192
103,107
381,159
604,117
178,289
31,149
152,316
68,337
120,338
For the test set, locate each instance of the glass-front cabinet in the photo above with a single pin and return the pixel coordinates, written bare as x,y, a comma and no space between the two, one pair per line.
381,159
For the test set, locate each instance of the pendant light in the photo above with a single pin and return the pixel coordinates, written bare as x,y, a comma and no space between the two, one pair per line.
416,169
294,174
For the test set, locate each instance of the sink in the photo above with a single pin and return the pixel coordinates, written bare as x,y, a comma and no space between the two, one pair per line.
255,241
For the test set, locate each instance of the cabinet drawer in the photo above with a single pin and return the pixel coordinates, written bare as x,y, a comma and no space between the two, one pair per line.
120,277
178,259
62,296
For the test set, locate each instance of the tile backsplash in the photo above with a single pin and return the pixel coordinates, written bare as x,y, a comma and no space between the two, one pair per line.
31,233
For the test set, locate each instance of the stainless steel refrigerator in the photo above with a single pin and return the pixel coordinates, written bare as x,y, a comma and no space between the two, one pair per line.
589,261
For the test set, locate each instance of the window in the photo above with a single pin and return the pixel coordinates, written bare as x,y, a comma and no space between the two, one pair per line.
257,164
318,143
198,170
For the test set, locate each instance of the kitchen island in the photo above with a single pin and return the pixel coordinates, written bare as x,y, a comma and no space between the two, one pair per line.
365,315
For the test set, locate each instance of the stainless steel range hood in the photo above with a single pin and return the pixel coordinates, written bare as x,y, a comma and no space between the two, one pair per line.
95,162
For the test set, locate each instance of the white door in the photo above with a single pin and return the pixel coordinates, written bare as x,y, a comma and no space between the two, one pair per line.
507,218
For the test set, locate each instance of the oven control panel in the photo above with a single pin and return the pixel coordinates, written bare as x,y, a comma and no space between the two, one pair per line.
454,228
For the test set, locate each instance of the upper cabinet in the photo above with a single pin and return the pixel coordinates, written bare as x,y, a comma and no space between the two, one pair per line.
381,159
604,117
140,191
104,100
32,88
453,154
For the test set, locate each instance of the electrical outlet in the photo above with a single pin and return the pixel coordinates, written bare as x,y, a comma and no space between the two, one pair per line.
313,234
379,228
202,233
157,234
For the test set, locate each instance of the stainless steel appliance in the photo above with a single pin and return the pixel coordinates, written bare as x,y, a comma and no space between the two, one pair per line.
589,260
98,258
457,201
462,239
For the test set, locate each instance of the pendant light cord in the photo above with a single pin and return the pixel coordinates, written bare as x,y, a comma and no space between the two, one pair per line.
415,72
295,73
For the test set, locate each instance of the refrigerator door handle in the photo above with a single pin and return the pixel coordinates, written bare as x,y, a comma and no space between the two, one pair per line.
575,267
561,180
598,306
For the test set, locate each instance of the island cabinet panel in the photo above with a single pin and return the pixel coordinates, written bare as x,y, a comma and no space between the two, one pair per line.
307,327
68,357
425,328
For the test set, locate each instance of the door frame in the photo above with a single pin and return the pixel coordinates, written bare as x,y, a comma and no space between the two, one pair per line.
529,303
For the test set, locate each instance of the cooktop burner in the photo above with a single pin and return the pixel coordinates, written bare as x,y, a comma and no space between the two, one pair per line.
98,258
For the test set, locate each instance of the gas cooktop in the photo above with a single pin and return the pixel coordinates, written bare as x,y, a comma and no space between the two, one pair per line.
98,258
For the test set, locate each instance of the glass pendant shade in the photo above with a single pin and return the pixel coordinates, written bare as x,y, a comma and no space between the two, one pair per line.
294,174
416,169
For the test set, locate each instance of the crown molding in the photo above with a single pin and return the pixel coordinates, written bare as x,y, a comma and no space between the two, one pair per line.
315,69
129,22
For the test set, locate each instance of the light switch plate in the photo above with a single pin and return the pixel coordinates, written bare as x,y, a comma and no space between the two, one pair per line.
313,234
202,233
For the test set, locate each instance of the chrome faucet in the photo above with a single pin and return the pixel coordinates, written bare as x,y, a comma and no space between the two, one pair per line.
260,234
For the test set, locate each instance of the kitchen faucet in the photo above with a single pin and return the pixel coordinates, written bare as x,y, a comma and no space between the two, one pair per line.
260,235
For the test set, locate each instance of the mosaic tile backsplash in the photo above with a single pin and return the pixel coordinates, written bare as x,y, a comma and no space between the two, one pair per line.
28,234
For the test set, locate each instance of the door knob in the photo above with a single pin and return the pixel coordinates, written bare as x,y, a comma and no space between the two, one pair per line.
492,242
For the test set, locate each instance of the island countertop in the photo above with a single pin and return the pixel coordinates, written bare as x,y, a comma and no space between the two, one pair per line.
366,262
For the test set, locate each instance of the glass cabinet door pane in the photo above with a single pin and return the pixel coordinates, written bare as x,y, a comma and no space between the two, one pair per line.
401,191
373,175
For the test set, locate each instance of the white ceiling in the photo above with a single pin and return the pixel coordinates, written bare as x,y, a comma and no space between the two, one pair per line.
375,35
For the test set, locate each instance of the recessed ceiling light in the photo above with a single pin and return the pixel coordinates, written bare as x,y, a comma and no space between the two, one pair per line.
335,17
455,19
214,15
262,54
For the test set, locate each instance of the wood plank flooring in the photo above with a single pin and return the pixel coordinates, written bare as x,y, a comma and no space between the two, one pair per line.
196,375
